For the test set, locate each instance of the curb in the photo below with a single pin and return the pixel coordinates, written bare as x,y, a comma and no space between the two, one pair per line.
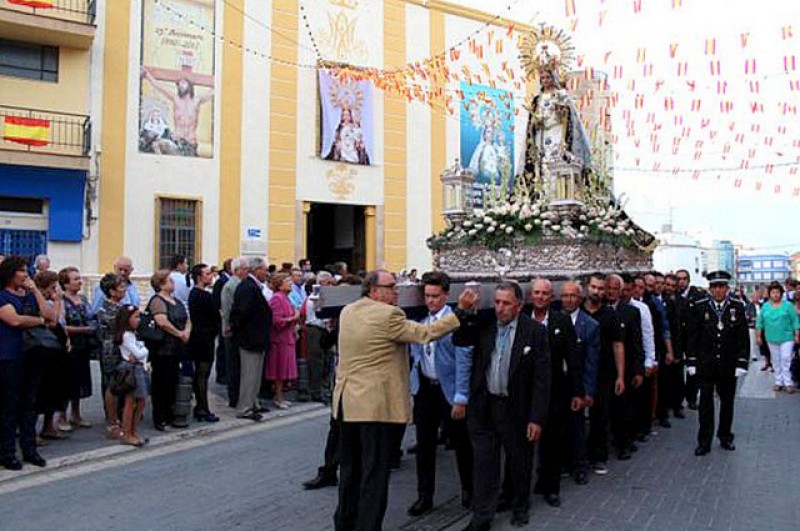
116,450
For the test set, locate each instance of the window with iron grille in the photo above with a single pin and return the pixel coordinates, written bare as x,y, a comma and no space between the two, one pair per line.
178,230
28,61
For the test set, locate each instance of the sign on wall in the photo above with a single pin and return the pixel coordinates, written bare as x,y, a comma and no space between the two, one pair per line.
176,101
487,135
346,130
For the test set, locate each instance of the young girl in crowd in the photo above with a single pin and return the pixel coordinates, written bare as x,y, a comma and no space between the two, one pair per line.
134,356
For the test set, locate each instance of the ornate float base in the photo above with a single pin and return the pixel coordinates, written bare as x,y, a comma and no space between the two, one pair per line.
553,259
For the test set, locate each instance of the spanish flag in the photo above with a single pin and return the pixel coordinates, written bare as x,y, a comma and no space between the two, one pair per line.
28,131
41,4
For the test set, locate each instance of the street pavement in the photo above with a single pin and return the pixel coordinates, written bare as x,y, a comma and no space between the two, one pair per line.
248,476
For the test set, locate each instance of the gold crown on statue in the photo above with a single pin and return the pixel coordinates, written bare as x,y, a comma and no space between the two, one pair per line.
347,4
547,48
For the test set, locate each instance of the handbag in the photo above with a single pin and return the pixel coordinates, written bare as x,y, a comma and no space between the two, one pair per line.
123,381
39,338
149,332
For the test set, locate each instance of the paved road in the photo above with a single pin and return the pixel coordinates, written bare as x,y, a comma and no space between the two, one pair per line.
249,479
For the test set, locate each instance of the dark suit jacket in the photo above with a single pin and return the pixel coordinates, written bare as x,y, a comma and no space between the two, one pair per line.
529,370
251,317
587,331
728,348
564,352
631,323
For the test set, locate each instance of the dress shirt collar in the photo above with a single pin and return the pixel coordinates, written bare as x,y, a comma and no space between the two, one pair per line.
545,320
438,315
574,316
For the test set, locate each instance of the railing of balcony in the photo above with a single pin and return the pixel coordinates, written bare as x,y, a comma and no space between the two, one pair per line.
83,11
41,131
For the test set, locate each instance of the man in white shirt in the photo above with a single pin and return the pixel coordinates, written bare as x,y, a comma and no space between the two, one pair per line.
178,266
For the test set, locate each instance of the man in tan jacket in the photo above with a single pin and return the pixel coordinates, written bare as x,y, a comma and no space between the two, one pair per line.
372,398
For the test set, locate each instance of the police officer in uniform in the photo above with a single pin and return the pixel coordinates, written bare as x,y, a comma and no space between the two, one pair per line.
718,350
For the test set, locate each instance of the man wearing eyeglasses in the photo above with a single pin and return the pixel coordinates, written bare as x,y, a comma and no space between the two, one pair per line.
371,398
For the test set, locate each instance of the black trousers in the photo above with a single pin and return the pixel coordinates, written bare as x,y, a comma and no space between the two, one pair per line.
316,362
644,406
669,395
551,447
575,455
623,416
163,380
492,428
234,366
19,385
202,372
430,409
600,419
725,385
221,365
331,465
366,454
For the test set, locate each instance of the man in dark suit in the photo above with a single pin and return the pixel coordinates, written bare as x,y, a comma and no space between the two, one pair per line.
718,353
509,395
587,330
623,406
689,295
250,321
566,388
440,375
221,364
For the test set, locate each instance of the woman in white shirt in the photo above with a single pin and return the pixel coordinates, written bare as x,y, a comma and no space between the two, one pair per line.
134,356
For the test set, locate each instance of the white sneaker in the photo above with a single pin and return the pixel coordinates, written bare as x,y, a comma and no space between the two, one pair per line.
600,469
281,405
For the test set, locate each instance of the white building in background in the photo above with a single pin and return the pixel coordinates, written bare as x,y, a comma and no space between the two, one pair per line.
679,251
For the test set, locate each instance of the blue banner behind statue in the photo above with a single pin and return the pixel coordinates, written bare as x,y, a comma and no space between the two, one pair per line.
346,131
487,136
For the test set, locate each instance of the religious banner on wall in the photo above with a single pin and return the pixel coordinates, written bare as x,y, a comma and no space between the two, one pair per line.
487,136
346,127
176,100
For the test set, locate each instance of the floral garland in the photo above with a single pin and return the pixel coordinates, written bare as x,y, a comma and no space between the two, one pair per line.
527,222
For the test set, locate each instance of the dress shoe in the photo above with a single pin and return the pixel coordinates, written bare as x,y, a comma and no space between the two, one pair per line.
503,505
624,455
412,450
581,478
250,415
12,463
553,500
692,406
701,450
678,414
727,445
520,519
466,500
473,526
665,423
35,459
321,481
642,438
211,418
420,507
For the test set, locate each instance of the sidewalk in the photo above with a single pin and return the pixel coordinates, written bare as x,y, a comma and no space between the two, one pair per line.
84,444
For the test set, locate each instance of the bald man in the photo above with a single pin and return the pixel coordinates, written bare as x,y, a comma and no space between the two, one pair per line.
123,266
566,389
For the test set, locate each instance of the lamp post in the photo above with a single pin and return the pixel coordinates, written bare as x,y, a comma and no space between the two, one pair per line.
457,184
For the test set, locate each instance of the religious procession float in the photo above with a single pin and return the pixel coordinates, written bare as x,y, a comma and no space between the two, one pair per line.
558,216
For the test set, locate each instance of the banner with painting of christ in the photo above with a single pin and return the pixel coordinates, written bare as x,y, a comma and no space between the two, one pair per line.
346,130
176,99
487,136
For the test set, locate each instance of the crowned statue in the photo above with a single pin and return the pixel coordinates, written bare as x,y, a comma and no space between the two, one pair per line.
557,154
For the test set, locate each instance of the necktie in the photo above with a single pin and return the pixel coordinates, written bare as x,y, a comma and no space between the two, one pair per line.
430,346
505,332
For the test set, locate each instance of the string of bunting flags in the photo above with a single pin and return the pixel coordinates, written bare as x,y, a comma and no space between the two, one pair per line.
664,102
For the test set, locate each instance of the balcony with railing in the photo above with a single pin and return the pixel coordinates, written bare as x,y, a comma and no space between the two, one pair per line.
55,22
38,137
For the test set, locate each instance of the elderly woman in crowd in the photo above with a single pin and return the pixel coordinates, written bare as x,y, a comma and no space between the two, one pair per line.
113,288
282,362
779,326
170,316
54,390
20,373
77,317
205,327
